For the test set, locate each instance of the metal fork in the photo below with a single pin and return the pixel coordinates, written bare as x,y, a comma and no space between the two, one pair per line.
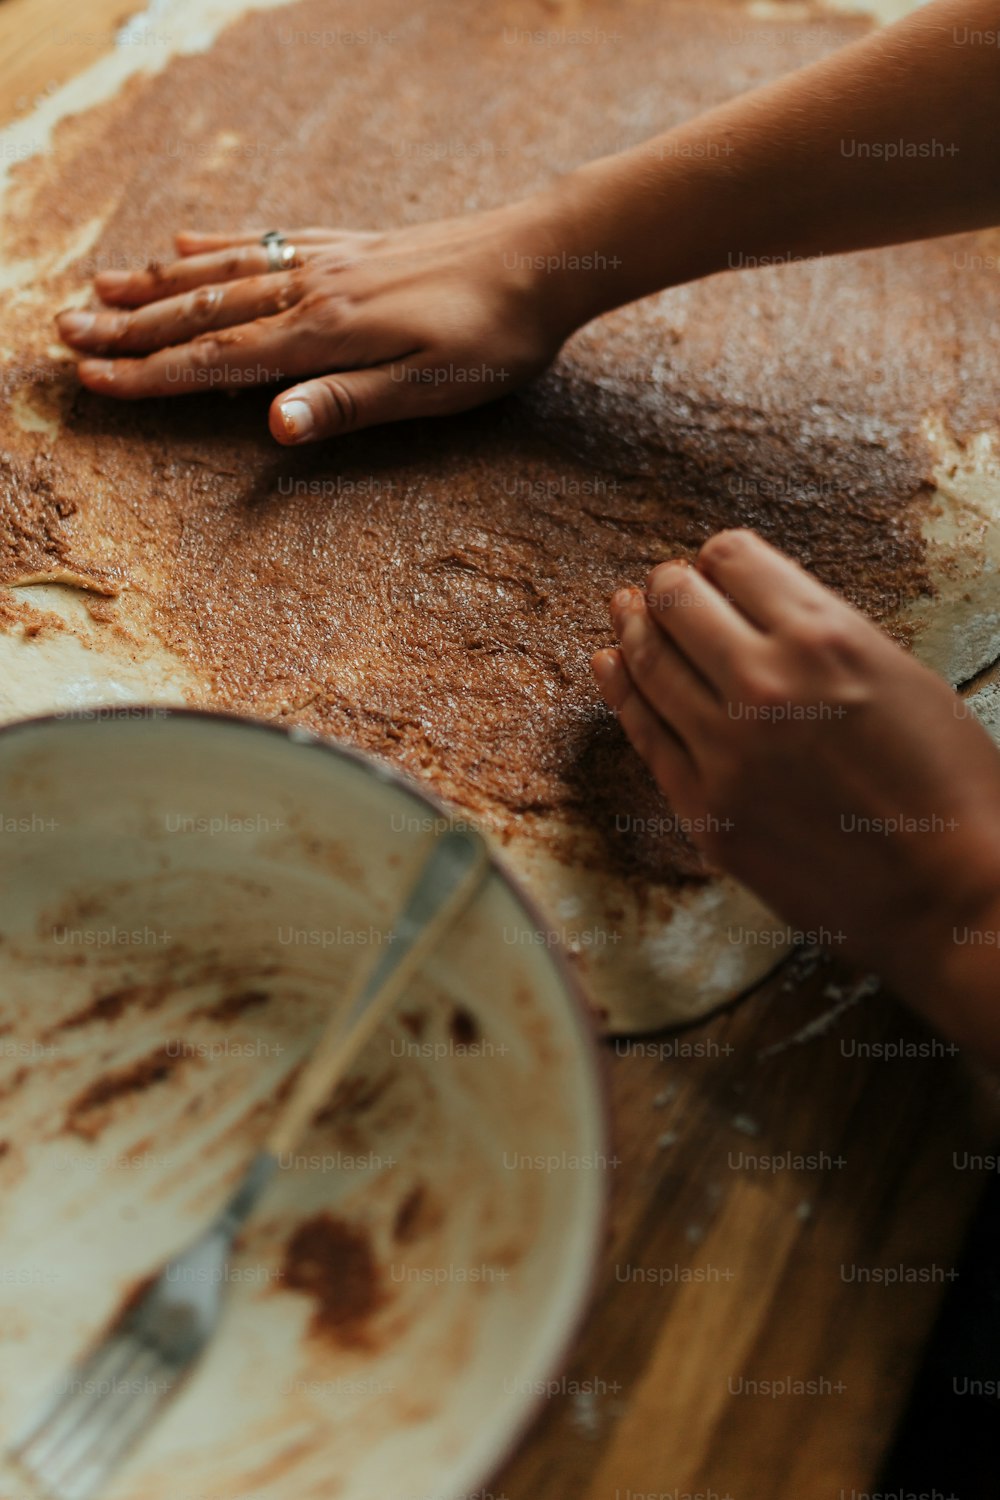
93,1418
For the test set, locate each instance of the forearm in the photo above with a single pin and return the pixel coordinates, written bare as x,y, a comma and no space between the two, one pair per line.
957,983
893,138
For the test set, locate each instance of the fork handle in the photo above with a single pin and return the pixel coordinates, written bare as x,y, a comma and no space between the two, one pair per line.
446,882
244,1200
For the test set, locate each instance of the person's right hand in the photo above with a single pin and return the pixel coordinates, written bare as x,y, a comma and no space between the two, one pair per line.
409,323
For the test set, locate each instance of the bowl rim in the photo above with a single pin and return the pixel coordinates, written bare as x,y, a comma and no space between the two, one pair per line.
580,1012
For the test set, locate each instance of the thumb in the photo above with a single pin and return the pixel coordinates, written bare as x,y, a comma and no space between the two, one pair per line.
336,404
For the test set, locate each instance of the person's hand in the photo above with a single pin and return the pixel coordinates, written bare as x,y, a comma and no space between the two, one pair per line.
832,773
408,323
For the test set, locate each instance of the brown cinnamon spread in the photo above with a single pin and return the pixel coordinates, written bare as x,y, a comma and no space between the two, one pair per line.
334,1264
83,1116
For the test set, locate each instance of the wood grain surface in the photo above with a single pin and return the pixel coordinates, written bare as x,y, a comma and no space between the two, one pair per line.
786,1213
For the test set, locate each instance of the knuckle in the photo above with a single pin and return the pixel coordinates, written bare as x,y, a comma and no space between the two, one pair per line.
204,350
115,328
321,307
643,652
285,295
827,638
340,410
203,304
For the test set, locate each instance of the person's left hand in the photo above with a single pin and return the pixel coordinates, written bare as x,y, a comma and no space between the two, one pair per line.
821,763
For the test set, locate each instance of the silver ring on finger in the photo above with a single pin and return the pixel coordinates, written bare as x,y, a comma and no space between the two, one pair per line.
281,256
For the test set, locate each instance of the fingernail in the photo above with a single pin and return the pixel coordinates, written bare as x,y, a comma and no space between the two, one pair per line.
611,678
297,418
76,323
112,278
604,667
100,369
661,575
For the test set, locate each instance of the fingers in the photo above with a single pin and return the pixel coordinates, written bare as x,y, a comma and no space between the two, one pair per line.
652,740
333,405
768,587
233,359
136,288
193,242
176,320
664,677
708,629
210,259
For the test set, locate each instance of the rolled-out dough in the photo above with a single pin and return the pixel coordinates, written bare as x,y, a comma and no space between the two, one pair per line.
433,591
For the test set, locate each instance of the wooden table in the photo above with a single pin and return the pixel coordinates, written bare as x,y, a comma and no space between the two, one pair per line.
739,1344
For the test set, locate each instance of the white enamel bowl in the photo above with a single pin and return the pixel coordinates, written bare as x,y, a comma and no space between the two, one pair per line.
184,896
